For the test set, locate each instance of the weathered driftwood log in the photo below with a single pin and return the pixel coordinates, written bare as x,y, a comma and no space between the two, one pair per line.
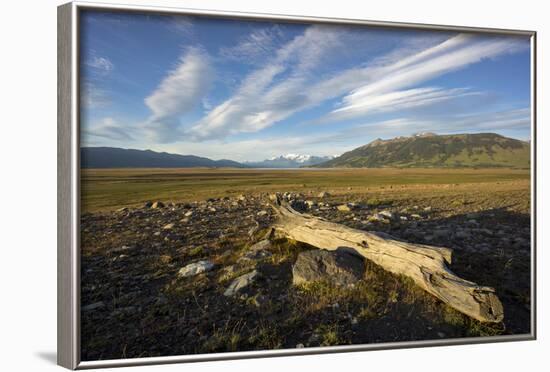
425,265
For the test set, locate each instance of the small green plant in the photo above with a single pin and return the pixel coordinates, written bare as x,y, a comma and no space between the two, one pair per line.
197,251
224,339
266,337
366,313
328,335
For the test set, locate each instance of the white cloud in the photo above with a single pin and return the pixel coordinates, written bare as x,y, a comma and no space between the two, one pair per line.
397,100
180,24
108,128
255,47
384,82
506,120
289,84
101,65
260,101
91,96
179,92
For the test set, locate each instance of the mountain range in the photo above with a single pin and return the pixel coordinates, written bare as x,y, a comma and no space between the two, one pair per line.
437,151
112,157
421,150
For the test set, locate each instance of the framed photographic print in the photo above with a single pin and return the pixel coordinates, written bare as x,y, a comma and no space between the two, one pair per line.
235,185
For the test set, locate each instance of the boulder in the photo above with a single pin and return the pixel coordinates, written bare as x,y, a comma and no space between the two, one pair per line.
195,268
323,194
257,251
241,283
338,267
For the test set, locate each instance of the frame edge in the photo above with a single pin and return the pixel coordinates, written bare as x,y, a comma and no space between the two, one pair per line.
66,341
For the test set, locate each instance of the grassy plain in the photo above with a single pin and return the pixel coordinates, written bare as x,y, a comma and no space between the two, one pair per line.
109,189
131,258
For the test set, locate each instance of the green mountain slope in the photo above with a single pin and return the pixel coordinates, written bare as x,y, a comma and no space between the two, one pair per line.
437,151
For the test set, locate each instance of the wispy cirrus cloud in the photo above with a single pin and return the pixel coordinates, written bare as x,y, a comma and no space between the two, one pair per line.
273,92
97,70
472,122
181,90
101,65
91,96
108,128
383,83
183,25
254,47
289,84
398,100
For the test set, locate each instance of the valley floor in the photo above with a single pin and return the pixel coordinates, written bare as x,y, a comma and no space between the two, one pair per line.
136,303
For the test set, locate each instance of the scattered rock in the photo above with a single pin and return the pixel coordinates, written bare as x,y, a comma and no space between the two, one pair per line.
188,214
339,267
157,204
376,218
124,248
261,245
344,208
258,251
261,213
257,255
387,214
195,268
168,226
94,306
240,283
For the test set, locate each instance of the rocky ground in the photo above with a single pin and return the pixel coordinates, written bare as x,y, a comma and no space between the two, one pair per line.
172,279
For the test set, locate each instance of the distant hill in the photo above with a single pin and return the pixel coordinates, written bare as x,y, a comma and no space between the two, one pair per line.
112,157
289,161
437,151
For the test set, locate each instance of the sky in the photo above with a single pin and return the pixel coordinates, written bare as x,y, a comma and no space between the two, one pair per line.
249,90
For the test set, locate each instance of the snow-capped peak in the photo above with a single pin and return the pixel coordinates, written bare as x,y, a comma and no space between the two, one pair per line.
294,157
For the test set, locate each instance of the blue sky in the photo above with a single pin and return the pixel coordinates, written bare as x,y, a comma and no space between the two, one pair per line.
247,90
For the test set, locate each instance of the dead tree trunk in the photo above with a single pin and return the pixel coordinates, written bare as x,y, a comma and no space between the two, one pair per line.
425,265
